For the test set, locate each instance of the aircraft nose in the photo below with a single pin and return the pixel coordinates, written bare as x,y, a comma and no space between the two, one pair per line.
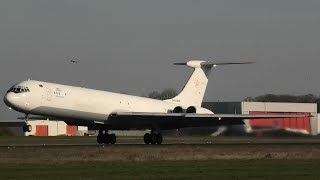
10,99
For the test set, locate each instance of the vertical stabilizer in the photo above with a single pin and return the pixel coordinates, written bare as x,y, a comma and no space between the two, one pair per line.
193,92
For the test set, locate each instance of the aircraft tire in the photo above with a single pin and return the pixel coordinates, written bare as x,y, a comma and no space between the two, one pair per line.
147,138
29,128
153,138
106,138
100,138
112,138
159,138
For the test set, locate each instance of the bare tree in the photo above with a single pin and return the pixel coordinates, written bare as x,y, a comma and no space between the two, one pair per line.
165,94
309,98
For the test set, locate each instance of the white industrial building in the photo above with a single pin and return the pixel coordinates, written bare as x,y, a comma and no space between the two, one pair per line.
55,128
318,127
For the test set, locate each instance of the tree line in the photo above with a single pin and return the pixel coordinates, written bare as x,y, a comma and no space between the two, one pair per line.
308,98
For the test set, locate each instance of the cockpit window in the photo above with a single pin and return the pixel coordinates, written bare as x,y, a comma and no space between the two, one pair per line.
10,90
19,89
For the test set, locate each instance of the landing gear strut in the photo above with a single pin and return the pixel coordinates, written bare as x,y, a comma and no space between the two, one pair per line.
152,138
27,127
105,138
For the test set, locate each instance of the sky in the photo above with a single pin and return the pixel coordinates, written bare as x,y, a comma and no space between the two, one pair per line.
129,46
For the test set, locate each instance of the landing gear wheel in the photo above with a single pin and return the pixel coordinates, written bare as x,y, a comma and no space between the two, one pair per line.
27,128
106,138
112,138
159,138
153,138
147,138
100,138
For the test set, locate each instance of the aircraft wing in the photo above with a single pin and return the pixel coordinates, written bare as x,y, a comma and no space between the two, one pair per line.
181,120
35,118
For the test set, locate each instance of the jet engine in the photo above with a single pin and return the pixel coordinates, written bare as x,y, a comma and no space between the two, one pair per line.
178,109
191,109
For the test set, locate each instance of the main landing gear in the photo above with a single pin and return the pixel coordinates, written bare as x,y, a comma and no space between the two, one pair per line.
153,138
105,138
27,127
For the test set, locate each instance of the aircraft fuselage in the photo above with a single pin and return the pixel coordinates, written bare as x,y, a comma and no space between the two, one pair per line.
77,103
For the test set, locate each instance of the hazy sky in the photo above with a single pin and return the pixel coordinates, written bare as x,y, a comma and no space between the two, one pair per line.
129,45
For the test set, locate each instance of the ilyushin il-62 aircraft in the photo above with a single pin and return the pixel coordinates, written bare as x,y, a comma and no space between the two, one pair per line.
104,111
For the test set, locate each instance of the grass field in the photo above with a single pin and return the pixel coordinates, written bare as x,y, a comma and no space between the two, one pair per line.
215,169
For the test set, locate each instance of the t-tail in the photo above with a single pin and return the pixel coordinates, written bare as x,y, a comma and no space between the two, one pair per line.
193,92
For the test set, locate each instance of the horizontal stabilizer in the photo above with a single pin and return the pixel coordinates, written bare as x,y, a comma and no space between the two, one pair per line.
199,63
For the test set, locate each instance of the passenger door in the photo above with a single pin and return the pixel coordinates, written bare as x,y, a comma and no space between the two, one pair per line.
49,94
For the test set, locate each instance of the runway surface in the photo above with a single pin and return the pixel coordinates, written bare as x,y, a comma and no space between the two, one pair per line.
168,141
61,149
288,144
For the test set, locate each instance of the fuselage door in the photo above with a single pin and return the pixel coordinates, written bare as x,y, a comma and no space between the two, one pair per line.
49,94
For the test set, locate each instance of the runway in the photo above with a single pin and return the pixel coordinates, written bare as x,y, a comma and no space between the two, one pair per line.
61,149
248,144
168,141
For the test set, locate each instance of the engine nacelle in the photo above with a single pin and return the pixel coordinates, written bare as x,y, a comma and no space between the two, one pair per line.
178,109
191,109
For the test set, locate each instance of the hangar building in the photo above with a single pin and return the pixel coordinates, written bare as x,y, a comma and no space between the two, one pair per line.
308,125
55,128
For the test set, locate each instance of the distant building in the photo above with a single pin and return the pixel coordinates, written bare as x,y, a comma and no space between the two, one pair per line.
318,123
55,128
307,125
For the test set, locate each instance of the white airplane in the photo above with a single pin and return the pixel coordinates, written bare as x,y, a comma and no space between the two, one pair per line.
105,111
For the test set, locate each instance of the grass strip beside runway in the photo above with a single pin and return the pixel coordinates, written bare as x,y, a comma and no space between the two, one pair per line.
214,169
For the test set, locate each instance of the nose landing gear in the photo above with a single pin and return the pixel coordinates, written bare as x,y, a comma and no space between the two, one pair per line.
27,127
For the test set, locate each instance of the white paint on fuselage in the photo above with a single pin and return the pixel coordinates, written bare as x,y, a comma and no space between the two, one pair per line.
81,103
